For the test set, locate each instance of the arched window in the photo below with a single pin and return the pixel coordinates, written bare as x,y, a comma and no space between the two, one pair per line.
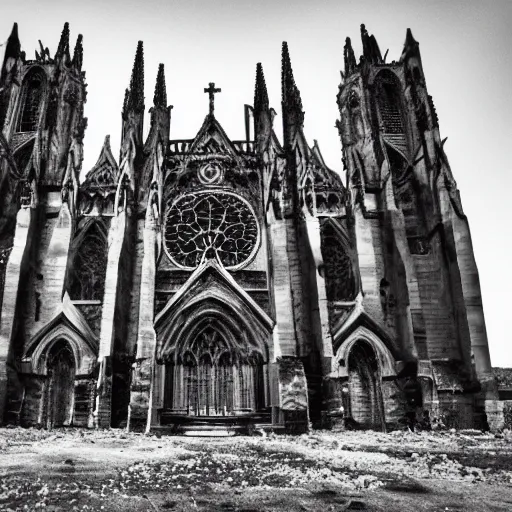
31,101
87,274
340,278
389,100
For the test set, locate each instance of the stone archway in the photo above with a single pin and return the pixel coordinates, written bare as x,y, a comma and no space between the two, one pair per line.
61,370
364,380
209,375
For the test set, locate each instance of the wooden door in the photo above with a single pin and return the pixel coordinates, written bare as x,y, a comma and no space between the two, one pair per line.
61,374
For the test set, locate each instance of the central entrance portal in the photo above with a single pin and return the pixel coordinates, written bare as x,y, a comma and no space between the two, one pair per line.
212,377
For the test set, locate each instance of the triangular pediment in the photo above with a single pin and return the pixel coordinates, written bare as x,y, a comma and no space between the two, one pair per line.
212,277
67,313
105,173
360,318
69,324
212,139
211,294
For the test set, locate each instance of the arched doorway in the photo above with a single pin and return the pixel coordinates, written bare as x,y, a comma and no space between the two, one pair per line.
211,376
366,407
61,384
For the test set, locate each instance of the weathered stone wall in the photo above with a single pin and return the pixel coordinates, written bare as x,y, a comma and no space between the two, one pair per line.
435,300
32,411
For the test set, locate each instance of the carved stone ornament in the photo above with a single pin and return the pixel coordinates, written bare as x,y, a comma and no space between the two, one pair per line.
211,224
210,173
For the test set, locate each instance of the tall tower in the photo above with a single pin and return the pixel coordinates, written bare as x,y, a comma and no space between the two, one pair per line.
42,127
418,273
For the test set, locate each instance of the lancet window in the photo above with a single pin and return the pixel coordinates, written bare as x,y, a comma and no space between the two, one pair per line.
31,101
87,274
339,270
390,102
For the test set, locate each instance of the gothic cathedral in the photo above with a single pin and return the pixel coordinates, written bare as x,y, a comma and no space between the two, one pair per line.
238,281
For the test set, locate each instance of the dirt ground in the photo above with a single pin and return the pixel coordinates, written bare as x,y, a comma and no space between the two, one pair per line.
68,470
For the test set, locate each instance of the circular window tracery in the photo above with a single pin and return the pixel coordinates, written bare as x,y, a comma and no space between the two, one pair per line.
211,224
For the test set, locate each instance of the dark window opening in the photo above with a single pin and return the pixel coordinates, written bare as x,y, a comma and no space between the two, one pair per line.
32,96
390,102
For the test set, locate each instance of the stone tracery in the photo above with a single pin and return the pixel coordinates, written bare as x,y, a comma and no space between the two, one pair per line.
211,224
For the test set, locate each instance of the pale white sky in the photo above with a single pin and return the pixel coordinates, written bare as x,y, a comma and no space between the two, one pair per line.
466,47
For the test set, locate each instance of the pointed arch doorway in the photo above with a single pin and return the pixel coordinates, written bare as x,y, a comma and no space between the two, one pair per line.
61,370
211,375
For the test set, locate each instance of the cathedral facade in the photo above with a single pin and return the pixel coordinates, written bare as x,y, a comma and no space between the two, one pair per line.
211,279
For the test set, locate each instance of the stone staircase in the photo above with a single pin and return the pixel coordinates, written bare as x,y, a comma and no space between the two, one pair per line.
213,426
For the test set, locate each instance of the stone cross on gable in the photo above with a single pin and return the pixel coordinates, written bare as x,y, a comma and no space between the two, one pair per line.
211,93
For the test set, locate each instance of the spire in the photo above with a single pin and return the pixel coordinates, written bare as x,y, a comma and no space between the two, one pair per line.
371,49
291,100
63,47
260,91
78,54
350,58
160,97
134,99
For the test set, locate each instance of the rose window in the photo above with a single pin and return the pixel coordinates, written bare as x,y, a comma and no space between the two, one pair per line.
211,225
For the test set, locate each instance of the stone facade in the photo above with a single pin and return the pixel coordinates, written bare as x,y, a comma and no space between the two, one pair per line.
209,279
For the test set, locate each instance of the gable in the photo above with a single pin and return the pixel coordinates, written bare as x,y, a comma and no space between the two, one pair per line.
211,294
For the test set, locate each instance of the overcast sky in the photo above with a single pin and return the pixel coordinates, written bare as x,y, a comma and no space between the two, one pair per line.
466,47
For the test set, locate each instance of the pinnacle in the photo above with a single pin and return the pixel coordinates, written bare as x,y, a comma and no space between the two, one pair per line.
64,41
13,43
349,57
78,54
260,91
290,91
160,97
14,32
409,39
135,96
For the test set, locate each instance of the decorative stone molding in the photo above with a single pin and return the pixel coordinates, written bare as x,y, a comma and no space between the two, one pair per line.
384,356
68,324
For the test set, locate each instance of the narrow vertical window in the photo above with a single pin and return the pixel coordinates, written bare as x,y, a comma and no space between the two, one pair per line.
389,99
32,95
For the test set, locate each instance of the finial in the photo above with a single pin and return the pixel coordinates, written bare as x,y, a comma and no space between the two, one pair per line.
134,100
160,97
63,47
349,57
260,91
211,90
78,54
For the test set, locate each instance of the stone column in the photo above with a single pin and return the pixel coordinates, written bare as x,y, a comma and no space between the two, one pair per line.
24,221
104,390
142,392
